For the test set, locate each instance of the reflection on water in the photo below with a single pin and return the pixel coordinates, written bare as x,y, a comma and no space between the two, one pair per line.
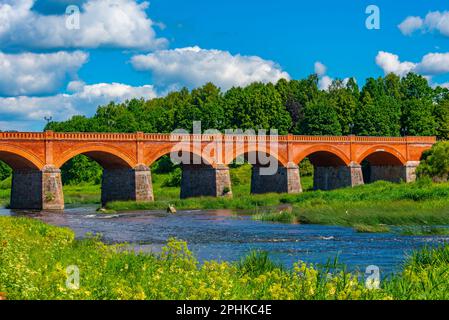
221,235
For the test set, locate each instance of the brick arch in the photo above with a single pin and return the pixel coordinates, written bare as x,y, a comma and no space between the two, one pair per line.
107,156
231,156
385,149
153,156
322,148
19,158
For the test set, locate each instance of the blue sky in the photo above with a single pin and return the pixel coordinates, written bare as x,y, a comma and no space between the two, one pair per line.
125,48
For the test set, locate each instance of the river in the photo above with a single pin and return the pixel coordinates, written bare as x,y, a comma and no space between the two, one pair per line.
222,235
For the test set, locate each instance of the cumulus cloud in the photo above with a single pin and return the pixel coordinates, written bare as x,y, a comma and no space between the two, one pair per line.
430,65
30,73
84,99
193,67
103,23
324,81
390,63
320,69
433,21
434,63
410,25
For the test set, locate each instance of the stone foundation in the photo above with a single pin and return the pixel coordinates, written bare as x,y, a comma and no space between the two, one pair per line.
285,180
329,178
205,181
125,184
53,196
410,171
37,190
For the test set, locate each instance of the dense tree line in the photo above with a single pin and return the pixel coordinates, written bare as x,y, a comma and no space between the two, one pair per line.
386,106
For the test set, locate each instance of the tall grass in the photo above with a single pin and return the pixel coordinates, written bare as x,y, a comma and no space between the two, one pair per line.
34,258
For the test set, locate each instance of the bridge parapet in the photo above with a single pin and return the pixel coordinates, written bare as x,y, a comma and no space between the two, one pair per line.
105,136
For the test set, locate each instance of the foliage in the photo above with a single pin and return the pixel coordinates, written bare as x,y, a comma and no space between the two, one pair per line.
435,162
173,179
34,258
81,169
5,171
320,118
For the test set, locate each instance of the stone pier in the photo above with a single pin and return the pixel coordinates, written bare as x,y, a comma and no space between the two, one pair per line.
204,180
410,171
393,173
334,177
285,180
37,190
124,184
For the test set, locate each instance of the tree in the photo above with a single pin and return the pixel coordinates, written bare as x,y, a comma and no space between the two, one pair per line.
81,169
257,106
5,171
418,117
320,118
344,99
295,94
435,162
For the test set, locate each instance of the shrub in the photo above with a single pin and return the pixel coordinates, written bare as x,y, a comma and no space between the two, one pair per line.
435,162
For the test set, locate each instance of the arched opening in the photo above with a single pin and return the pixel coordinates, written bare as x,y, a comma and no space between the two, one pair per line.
20,181
92,171
382,165
258,172
325,170
194,176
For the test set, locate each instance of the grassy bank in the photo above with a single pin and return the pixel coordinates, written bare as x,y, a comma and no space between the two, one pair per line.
34,258
368,208
82,194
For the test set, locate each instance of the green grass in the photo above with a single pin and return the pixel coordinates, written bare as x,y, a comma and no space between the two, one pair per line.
424,231
364,228
374,205
35,257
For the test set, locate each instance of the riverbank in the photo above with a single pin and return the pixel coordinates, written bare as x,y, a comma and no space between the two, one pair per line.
377,207
369,208
34,258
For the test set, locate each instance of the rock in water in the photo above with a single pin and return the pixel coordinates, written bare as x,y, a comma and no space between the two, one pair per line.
171,209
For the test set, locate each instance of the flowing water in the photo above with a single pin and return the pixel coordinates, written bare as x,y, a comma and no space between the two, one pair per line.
222,235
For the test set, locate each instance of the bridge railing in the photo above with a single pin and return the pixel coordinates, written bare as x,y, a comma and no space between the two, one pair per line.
139,136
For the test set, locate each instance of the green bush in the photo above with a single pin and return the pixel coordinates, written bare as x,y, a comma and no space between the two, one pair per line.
306,168
173,179
5,171
435,162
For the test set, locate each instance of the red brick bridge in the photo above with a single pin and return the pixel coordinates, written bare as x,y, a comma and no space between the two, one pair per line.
36,159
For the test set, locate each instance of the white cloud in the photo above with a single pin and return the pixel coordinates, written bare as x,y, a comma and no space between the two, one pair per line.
193,67
390,63
434,63
433,21
29,73
431,64
103,23
325,82
320,69
31,110
410,25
